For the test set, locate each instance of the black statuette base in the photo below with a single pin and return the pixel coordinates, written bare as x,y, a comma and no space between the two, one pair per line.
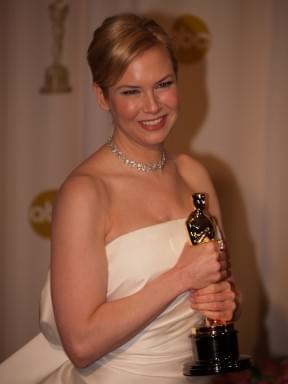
217,350
205,368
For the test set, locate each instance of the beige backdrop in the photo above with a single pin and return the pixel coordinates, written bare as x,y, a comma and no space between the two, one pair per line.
233,117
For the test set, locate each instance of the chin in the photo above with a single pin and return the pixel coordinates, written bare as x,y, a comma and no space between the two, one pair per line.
157,137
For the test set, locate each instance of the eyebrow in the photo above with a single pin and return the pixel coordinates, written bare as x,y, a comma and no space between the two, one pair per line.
127,86
137,87
165,78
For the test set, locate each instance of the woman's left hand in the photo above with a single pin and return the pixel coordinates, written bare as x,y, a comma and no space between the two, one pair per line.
219,301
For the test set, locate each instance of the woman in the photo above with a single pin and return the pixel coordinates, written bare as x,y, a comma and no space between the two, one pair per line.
127,286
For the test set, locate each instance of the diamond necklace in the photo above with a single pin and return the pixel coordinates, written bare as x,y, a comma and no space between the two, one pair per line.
133,163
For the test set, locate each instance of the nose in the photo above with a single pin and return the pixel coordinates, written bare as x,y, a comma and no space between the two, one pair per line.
151,103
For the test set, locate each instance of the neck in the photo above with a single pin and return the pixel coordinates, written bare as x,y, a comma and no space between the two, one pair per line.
138,151
133,162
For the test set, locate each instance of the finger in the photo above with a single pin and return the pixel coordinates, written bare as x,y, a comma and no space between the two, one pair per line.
218,315
224,262
223,257
213,297
223,265
219,310
224,274
221,245
224,271
212,288
214,302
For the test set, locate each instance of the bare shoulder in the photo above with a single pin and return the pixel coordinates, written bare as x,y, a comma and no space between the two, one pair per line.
83,196
83,187
193,172
197,177
86,183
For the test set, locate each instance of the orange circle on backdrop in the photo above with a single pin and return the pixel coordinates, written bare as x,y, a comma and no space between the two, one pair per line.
40,213
192,38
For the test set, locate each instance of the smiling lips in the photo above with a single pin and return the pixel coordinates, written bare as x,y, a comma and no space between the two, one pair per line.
154,124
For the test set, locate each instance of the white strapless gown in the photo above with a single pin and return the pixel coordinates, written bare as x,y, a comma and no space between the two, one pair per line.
156,355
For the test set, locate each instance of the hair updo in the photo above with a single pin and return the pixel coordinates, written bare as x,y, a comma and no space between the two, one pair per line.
118,41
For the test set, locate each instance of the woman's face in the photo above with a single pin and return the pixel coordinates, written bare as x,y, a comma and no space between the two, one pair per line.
144,102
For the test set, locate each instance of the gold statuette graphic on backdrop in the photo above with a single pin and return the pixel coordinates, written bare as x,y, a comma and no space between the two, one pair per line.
192,38
214,342
56,75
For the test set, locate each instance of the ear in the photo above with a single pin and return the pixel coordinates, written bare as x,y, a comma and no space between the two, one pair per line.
102,101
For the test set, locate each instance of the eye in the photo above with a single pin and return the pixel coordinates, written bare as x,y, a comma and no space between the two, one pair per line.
165,84
130,92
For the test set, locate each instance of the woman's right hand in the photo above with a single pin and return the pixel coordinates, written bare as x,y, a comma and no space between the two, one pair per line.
201,265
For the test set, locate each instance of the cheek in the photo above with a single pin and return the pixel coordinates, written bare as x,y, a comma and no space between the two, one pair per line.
126,109
171,99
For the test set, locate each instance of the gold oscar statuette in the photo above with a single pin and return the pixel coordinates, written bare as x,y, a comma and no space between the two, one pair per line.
214,341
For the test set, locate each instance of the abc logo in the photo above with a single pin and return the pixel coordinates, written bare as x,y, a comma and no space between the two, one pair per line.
40,212
192,38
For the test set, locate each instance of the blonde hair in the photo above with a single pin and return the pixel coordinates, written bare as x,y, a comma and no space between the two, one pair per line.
118,41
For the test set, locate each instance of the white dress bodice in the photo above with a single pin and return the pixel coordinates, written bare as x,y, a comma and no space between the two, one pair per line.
157,353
